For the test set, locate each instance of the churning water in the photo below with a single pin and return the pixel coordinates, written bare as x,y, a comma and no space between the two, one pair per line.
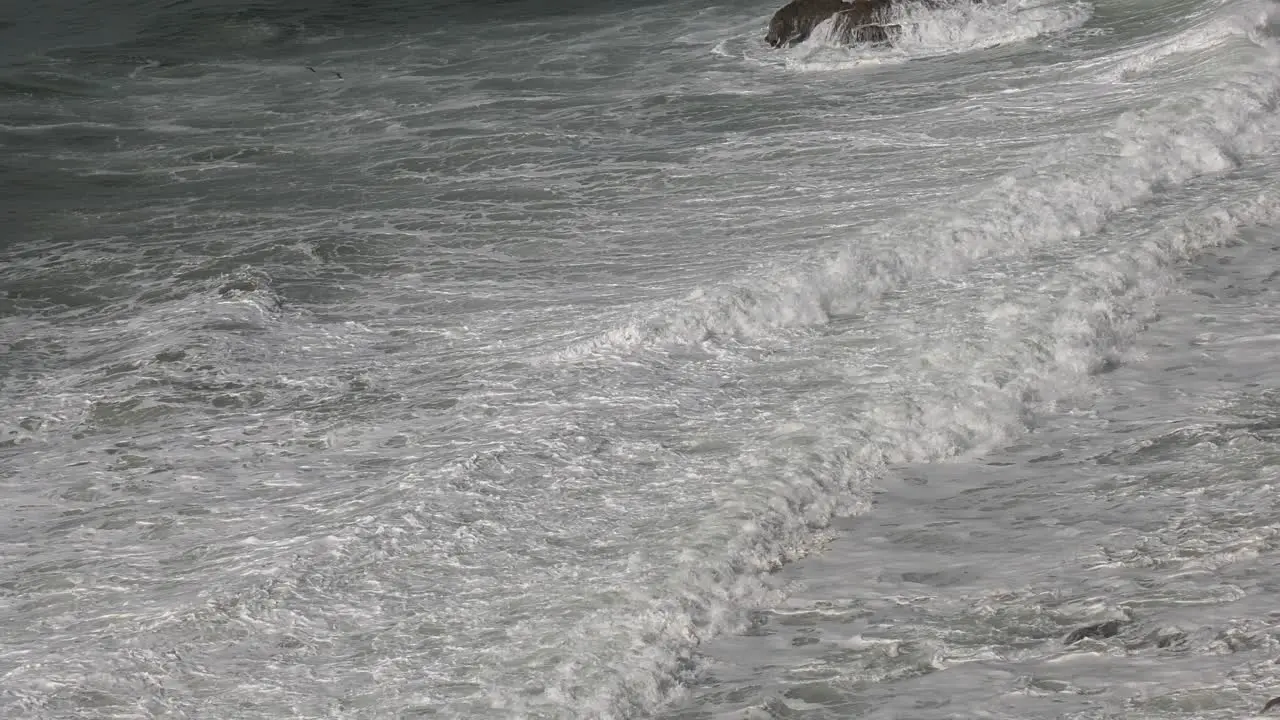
593,360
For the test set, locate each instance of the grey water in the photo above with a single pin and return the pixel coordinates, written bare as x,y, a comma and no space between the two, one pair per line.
569,359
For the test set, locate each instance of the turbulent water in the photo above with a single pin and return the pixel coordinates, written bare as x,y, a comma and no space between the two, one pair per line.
593,360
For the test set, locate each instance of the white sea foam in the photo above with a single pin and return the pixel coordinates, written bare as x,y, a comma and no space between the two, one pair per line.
944,30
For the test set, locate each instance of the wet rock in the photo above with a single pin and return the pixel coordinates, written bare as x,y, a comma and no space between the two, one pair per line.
1097,631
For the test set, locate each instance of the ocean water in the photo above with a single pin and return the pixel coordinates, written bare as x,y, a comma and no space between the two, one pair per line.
575,359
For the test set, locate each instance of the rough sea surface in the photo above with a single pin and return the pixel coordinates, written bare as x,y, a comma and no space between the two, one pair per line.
574,359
